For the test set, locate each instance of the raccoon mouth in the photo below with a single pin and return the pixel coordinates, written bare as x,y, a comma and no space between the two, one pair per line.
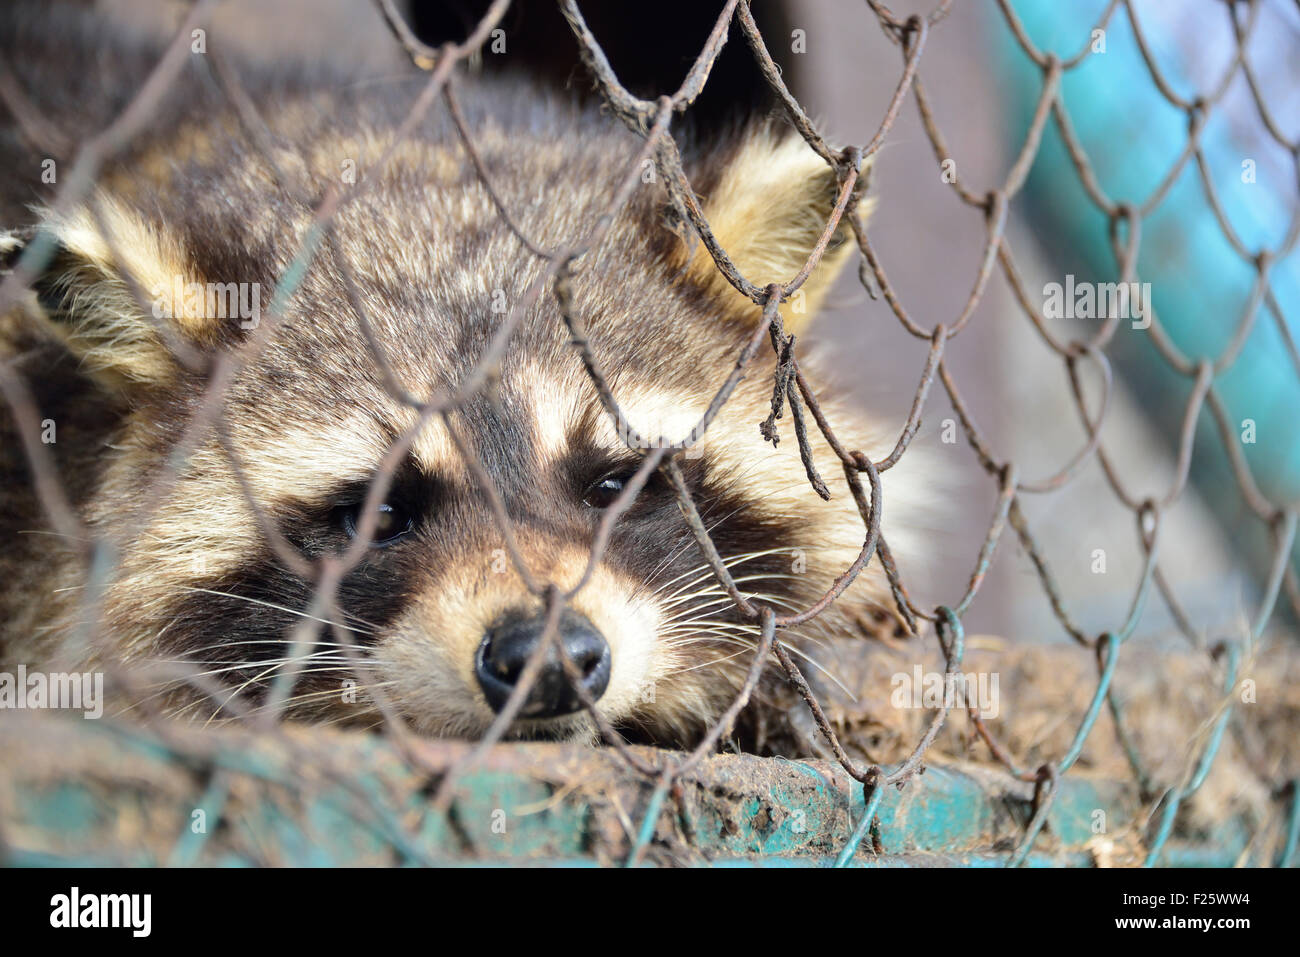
570,728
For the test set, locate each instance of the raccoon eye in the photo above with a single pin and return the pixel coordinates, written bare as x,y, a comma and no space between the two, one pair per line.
601,494
393,522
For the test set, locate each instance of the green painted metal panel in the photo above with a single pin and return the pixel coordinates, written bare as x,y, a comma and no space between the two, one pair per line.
73,794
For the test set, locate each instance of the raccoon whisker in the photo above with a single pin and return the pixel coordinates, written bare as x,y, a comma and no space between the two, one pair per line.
324,666
283,608
712,637
320,656
678,596
180,681
687,632
745,634
672,556
717,592
798,652
711,663
746,646
779,600
693,625
714,590
339,663
686,626
269,671
193,706
200,702
723,600
705,509
703,571
696,609
272,669
702,633
369,629
826,672
327,692
704,636
696,601
704,514
715,645
281,642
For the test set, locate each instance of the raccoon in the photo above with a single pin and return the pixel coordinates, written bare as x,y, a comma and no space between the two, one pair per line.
121,336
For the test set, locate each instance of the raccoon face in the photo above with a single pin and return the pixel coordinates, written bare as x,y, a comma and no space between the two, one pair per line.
434,622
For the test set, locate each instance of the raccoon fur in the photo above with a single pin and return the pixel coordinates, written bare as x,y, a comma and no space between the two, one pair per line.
439,619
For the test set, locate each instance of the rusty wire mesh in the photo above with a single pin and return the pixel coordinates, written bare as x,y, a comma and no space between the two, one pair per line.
652,121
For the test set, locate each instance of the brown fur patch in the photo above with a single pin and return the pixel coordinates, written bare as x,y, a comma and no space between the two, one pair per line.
768,211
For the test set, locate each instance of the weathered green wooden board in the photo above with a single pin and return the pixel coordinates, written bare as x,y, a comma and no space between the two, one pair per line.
100,793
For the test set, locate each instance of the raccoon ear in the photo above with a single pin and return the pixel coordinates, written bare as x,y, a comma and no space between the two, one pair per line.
120,316
768,211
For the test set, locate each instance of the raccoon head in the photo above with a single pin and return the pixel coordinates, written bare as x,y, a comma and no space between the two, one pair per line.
435,623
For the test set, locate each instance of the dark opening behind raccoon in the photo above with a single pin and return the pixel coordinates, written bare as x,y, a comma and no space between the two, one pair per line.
203,224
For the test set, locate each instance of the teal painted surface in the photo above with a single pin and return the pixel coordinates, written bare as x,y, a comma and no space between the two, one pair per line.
944,819
513,816
949,813
530,805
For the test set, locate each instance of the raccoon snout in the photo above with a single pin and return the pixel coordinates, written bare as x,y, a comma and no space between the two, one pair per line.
505,651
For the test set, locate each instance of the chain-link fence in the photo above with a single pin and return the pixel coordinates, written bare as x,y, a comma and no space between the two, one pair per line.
793,393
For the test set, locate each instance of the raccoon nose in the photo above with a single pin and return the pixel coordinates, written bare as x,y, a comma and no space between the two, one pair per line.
505,651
